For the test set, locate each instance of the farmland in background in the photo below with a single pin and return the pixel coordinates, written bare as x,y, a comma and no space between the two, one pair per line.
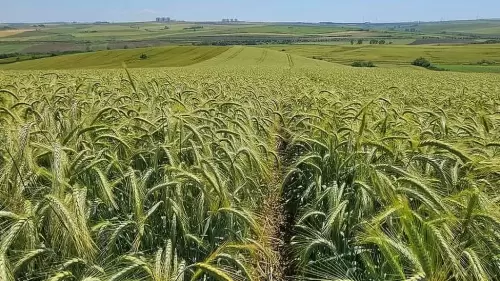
82,37
396,55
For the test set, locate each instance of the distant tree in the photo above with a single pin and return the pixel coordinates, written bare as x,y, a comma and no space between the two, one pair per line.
143,56
352,41
125,47
108,47
362,64
88,48
381,42
422,62
360,41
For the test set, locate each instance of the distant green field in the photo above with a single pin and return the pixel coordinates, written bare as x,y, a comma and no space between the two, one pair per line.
6,48
396,54
156,57
472,68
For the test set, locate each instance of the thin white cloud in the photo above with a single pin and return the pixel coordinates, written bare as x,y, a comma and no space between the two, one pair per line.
149,12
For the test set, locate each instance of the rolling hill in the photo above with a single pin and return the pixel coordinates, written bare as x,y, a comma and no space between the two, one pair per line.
177,56
154,57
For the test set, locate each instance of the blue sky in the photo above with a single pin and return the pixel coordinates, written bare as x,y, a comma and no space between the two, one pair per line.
250,10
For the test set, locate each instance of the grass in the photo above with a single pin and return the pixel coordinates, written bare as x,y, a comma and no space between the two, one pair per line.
472,68
157,57
8,47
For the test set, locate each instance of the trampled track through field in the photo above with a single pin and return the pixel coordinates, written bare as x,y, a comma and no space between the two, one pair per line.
236,53
290,60
263,57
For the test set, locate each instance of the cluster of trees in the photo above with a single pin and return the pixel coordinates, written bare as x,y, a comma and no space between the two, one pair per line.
245,42
372,41
5,56
490,41
194,28
486,62
411,30
375,41
362,64
32,56
423,62
248,40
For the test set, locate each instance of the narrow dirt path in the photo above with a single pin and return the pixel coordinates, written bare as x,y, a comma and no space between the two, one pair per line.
272,220
277,223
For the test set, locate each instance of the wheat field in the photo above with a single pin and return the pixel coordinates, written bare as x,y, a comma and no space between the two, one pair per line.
220,171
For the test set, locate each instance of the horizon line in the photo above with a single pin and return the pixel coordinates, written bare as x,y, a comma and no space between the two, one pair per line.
244,21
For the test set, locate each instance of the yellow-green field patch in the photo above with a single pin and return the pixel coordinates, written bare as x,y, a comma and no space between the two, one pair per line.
151,57
10,32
